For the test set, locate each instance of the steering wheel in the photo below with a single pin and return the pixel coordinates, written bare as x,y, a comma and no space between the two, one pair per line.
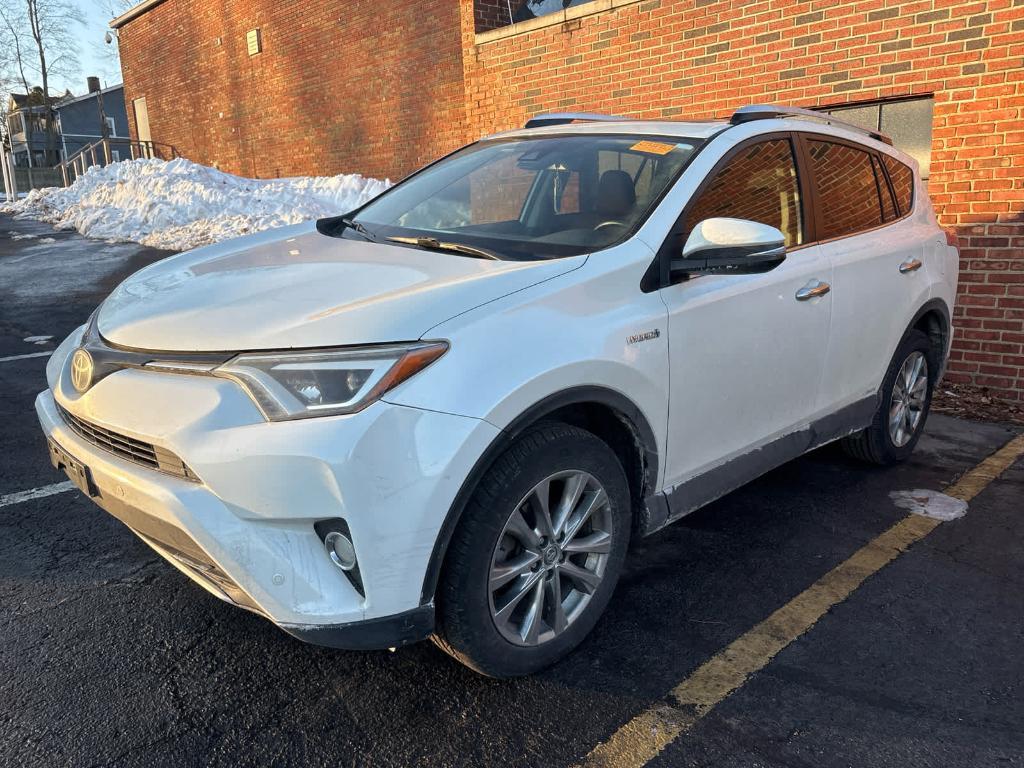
609,223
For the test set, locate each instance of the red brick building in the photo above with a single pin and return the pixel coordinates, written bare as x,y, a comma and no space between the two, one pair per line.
265,89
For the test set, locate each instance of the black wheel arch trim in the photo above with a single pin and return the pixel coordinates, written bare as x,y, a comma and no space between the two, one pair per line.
929,306
610,398
940,306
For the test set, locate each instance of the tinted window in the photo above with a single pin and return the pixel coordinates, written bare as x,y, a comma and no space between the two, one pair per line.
846,189
758,184
888,206
902,183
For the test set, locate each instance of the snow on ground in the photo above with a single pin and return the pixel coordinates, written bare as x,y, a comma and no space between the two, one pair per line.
930,504
180,205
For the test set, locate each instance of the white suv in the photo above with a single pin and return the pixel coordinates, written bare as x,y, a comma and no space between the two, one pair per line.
446,413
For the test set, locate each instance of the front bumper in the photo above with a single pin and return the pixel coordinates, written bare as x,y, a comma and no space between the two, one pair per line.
243,528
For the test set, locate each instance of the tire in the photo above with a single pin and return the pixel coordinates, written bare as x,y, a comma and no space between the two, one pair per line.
878,444
488,545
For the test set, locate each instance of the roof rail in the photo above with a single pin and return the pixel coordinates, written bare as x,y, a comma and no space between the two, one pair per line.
769,111
563,118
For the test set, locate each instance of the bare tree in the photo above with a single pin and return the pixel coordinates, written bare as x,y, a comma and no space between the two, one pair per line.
51,23
5,89
12,31
109,52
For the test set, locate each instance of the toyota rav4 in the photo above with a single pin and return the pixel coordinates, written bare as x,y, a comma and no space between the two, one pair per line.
445,414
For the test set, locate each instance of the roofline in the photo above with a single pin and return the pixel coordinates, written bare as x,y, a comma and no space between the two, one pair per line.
623,126
75,99
134,13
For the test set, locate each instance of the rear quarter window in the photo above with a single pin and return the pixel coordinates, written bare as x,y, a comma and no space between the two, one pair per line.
902,183
888,203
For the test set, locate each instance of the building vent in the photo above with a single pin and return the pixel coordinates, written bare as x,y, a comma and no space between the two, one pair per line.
254,40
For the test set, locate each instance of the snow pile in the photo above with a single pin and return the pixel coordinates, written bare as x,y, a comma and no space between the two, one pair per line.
180,205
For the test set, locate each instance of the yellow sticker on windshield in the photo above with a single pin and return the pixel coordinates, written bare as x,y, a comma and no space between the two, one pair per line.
653,147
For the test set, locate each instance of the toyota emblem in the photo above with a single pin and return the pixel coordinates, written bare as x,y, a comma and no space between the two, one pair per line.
81,370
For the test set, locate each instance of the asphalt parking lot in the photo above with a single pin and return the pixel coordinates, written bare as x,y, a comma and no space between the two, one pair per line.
108,656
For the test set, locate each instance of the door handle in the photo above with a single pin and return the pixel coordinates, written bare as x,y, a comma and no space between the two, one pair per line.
911,265
812,289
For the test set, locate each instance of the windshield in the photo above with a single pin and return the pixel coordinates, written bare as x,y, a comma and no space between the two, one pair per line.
533,198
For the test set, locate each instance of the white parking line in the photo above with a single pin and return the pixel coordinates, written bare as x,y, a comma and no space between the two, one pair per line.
36,493
12,358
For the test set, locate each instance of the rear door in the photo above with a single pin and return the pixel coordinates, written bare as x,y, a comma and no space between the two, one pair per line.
875,254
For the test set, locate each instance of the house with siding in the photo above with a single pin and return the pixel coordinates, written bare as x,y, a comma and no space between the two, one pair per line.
380,87
99,114
28,121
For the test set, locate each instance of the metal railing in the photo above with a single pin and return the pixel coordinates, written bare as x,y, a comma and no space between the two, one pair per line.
104,151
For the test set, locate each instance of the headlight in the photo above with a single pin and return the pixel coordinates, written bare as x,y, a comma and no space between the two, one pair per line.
300,385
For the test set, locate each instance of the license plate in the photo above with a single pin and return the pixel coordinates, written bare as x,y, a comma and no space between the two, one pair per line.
76,471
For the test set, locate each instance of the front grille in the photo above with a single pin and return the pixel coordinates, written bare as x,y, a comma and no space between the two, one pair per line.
136,451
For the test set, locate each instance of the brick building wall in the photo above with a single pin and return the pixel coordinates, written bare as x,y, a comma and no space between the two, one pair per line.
381,87
321,98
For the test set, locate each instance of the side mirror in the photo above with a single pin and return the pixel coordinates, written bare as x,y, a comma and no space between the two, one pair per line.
731,247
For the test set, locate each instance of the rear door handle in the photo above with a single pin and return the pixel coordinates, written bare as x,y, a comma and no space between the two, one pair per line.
911,265
812,289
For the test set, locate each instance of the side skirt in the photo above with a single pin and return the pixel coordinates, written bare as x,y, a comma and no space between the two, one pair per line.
668,506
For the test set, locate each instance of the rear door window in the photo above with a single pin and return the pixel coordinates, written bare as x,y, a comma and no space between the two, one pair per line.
848,193
902,183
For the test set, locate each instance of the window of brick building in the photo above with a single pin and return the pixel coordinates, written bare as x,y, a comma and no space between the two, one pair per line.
531,9
491,14
908,122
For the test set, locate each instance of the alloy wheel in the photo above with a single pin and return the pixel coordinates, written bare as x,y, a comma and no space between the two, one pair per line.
550,558
909,395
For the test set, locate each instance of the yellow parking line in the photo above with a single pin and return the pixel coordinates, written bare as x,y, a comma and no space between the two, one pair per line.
647,734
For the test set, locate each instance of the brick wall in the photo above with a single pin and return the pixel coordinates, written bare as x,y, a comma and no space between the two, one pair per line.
320,99
702,58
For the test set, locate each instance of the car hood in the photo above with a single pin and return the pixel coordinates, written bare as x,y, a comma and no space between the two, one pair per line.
294,287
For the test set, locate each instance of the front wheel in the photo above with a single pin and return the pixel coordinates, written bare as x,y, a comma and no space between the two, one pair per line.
906,397
537,554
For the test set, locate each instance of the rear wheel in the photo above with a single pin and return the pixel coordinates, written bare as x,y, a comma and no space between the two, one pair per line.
903,409
537,554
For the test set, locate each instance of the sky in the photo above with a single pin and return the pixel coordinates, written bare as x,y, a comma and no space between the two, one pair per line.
92,60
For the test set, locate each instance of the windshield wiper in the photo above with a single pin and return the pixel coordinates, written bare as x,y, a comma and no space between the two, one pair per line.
432,243
353,224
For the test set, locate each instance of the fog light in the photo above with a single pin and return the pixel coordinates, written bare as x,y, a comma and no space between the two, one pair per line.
340,549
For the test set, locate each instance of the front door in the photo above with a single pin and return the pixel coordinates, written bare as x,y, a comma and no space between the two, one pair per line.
746,351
